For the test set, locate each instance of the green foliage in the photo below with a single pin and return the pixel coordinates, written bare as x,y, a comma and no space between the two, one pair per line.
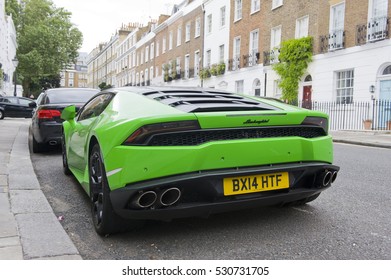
295,55
13,8
104,86
47,40
205,73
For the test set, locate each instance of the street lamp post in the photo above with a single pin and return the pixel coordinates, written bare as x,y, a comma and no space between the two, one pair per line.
15,61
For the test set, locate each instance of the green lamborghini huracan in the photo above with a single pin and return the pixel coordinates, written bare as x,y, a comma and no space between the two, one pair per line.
159,153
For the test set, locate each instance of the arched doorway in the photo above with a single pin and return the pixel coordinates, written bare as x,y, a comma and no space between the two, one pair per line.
384,118
307,92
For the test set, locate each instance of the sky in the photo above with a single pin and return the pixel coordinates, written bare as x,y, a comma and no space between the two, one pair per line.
98,20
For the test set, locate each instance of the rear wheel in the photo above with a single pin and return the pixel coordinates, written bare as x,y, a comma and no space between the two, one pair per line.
37,147
65,167
1,114
105,220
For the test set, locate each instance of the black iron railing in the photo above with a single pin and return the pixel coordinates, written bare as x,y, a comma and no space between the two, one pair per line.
357,115
375,30
335,40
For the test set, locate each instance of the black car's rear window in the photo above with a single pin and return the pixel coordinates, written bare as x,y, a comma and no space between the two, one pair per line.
69,96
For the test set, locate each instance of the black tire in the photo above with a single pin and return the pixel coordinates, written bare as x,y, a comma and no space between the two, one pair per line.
105,220
1,114
36,147
65,167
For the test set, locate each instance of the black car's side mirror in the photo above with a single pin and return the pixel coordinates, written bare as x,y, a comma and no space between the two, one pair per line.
33,104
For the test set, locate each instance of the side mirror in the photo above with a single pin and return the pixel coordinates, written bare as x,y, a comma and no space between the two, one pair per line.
33,104
69,113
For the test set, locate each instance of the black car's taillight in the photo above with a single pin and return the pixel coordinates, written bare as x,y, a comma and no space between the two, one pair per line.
144,133
317,121
48,114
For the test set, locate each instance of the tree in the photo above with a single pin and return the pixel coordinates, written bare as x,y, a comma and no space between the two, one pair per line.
295,55
13,8
47,43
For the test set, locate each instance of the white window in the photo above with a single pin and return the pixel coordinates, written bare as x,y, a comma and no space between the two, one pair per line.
196,63
71,75
70,83
222,16
146,54
377,26
146,75
187,66
179,36
152,50
236,52
277,92
254,42
239,86
255,5
164,43
302,27
157,72
178,65
157,48
208,57
209,23
337,18
188,26
344,86
275,43
197,27
277,3
170,38
221,53
238,10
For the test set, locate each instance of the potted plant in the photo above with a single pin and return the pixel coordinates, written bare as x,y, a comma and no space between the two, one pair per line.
367,124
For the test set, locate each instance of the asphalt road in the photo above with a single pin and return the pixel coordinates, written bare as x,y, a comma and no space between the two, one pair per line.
350,220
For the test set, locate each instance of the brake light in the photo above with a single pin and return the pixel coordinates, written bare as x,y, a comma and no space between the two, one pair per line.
317,121
144,133
48,114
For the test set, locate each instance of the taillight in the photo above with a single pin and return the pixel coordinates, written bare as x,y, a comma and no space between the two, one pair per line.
48,114
317,121
144,133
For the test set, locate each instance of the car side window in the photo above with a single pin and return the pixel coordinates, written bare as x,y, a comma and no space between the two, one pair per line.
24,102
95,106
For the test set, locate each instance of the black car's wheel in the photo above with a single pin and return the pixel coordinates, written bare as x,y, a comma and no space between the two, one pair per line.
105,220
37,147
1,114
65,167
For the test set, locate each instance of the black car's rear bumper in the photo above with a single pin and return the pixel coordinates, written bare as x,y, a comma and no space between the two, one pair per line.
202,193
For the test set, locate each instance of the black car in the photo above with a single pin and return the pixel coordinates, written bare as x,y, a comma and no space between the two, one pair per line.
46,125
16,107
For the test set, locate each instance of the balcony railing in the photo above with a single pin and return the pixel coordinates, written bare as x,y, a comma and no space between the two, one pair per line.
375,30
271,57
335,40
251,59
234,63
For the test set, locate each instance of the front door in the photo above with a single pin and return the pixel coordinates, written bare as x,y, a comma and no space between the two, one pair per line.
384,103
307,97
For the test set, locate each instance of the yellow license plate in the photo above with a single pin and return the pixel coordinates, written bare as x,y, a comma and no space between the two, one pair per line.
256,183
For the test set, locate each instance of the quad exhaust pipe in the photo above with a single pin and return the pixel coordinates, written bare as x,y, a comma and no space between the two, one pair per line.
166,197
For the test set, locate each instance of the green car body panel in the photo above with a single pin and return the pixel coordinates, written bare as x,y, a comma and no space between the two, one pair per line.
130,109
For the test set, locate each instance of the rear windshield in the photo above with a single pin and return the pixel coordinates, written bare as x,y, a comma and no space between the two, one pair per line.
70,96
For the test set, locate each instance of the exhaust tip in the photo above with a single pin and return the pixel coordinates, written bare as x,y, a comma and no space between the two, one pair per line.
327,176
52,142
334,176
170,196
144,199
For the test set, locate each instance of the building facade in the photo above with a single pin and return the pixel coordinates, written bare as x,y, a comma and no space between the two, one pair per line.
233,44
8,46
76,75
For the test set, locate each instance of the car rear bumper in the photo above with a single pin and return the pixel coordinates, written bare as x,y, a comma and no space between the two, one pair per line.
202,194
49,133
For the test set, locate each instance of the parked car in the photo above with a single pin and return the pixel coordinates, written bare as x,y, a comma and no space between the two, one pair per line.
46,125
163,153
16,107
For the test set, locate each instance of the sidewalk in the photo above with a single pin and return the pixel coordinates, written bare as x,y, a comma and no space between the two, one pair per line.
28,227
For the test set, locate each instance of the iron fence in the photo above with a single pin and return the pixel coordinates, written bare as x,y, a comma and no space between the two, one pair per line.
359,115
